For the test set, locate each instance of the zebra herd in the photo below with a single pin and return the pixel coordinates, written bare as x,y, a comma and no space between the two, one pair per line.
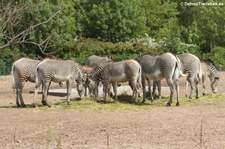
98,69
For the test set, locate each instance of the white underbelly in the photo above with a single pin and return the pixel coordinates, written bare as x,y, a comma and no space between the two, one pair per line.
157,75
58,78
119,78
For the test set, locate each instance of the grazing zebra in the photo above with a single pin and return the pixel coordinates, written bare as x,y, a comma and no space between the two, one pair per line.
158,67
127,70
23,70
91,63
190,65
49,71
208,69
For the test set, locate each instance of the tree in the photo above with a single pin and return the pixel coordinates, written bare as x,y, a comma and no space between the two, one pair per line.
112,20
29,26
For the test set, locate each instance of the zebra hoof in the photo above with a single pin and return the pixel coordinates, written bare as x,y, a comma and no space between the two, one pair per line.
143,101
132,101
18,105
110,94
23,105
45,103
168,104
34,105
177,104
49,105
203,94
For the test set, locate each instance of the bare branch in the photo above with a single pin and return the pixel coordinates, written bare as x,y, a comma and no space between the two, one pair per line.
19,38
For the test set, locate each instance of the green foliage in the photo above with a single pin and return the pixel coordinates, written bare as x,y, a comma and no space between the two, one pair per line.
217,56
112,20
5,66
83,48
59,30
203,26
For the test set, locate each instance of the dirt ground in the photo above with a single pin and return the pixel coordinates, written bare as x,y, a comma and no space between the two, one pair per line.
183,127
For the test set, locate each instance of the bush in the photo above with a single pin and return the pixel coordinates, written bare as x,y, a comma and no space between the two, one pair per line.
83,48
217,56
5,66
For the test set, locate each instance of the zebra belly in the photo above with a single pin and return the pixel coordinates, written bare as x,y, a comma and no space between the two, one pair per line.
58,78
119,78
157,75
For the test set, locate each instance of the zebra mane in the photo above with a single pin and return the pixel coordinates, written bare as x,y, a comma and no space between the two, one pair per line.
213,70
97,70
80,73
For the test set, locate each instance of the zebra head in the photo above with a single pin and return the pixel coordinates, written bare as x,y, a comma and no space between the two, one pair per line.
94,79
80,81
92,87
214,80
213,77
80,86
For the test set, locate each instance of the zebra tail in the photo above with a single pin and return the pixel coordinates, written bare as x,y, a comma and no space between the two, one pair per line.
178,65
139,80
200,74
13,79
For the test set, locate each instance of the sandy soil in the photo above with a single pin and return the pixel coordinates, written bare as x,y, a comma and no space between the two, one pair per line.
173,127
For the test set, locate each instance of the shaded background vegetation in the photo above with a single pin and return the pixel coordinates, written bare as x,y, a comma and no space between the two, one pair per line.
121,28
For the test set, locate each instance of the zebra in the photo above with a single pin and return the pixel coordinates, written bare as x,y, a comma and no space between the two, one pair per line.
58,71
156,84
158,67
92,62
95,61
126,70
23,70
208,69
191,65
142,63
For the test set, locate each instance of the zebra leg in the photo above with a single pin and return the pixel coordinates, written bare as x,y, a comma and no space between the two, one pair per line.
69,88
191,82
45,94
105,90
110,88
20,94
114,84
158,85
85,90
196,88
150,90
154,89
17,97
38,84
203,86
177,91
96,90
159,89
134,88
49,86
171,86
186,89
144,89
